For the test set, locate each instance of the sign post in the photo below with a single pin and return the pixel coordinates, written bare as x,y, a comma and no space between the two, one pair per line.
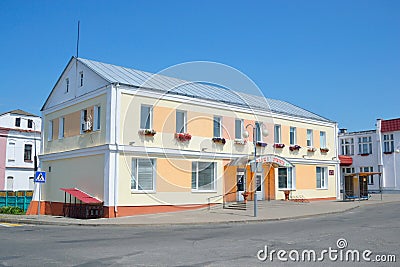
40,178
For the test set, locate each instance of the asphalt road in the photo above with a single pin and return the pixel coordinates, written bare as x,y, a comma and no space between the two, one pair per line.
374,228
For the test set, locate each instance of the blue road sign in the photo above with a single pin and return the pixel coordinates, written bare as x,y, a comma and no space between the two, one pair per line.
40,177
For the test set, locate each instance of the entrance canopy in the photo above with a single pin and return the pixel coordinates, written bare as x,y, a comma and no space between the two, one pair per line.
269,158
82,196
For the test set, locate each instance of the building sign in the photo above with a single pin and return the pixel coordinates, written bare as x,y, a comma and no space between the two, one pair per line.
331,172
282,162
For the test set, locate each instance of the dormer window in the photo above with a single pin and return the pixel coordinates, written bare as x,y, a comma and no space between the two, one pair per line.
81,78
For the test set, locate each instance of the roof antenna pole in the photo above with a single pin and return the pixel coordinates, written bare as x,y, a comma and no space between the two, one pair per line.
77,41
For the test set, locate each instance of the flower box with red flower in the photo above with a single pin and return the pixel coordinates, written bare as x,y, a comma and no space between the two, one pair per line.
183,137
279,145
261,144
240,141
219,140
147,132
245,195
311,149
294,147
324,150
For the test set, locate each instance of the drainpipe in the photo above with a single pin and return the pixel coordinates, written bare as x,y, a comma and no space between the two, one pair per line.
337,167
116,139
380,150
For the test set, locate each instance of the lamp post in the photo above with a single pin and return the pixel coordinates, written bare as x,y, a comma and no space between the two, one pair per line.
264,132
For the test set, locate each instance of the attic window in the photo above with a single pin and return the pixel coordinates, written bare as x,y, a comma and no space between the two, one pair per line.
17,122
66,85
81,78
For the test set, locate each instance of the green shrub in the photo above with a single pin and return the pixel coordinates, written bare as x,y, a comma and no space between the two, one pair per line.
11,210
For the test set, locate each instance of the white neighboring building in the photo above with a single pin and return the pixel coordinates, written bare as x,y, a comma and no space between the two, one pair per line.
19,142
373,151
389,138
362,151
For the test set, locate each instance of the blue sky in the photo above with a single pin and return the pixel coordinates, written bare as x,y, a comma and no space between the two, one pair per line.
339,59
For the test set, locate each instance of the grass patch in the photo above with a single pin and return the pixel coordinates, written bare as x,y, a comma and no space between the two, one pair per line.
11,210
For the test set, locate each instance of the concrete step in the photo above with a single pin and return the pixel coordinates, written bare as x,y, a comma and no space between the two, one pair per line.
236,206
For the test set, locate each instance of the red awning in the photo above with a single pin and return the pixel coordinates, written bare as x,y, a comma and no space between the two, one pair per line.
82,196
345,160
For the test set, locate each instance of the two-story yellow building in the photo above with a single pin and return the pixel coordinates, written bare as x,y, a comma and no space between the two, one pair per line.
144,143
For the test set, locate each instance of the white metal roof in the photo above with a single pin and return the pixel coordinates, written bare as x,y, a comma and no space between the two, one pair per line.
170,85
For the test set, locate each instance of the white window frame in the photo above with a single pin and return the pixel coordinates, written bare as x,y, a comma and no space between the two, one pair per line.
310,138
83,120
388,143
81,77
239,126
61,127
293,131
97,118
277,134
50,131
362,142
217,119
135,175
30,155
324,177
11,150
347,146
290,173
150,117
368,169
183,127
259,137
322,139
213,183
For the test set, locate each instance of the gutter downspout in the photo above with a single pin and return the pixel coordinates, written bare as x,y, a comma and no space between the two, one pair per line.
337,167
380,152
116,138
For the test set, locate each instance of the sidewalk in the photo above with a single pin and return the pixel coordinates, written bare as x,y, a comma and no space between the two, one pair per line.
267,211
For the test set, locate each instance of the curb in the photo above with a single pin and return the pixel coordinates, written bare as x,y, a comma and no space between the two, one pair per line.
38,222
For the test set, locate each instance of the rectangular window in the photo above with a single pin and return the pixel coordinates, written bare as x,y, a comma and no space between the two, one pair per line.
322,139
388,143
292,136
143,174
67,85
146,117
17,122
11,151
86,123
61,124
238,129
277,134
322,182
50,131
10,183
217,126
30,123
203,176
180,121
347,146
310,139
96,119
258,131
370,177
81,78
28,152
365,145
31,183
285,178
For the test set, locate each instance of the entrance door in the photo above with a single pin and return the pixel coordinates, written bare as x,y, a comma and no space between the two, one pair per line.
241,183
259,184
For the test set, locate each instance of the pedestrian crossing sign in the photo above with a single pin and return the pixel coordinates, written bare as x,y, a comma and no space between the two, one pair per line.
40,177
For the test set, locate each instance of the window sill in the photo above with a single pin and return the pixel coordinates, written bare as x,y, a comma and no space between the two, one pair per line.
203,191
321,188
364,155
286,189
387,153
28,161
143,192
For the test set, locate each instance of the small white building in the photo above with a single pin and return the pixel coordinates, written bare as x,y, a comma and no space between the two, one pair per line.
373,151
19,143
389,137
